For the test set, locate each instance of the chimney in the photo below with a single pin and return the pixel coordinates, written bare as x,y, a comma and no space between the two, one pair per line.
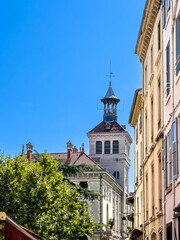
75,149
69,150
29,148
22,149
82,147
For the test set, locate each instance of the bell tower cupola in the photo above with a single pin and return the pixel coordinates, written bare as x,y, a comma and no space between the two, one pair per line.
110,105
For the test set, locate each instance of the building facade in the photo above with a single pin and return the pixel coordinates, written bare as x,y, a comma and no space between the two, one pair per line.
109,205
171,76
149,50
135,120
109,145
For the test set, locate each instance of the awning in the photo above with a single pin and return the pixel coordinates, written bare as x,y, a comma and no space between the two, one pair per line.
14,231
136,233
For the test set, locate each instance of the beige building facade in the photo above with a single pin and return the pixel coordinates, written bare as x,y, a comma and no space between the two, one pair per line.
149,50
135,120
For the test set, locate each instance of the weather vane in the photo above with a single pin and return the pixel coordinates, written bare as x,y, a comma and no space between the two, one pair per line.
110,75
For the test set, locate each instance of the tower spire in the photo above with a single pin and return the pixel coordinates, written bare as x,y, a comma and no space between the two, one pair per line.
110,102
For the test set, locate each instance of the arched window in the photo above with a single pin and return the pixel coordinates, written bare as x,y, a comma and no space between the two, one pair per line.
114,174
117,175
98,147
107,147
115,146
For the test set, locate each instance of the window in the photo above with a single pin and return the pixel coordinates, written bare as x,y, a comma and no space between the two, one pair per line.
166,8
107,147
159,35
169,231
152,120
174,149
145,79
168,79
170,155
84,184
152,59
165,162
137,166
177,45
140,122
160,181
136,133
147,196
159,103
116,174
98,147
152,186
146,133
138,212
115,146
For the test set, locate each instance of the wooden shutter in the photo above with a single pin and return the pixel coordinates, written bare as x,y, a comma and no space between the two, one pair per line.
175,148
170,155
165,162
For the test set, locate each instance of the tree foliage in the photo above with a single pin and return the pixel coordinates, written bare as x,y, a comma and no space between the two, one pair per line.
42,200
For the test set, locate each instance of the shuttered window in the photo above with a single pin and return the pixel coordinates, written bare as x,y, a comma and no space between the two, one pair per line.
168,79
115,146
98,147
170,155
175,148
165,162
107,147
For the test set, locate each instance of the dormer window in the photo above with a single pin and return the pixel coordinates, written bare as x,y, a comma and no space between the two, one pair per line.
108,125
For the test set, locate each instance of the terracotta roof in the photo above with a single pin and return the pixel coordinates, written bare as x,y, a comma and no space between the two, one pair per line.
76,159
114,127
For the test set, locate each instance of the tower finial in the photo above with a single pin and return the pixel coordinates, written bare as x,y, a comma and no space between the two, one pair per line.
110,75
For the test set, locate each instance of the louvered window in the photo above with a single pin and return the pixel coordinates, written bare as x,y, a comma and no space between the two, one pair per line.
98,147
107,147
168,78
115,146
165,162
174,149
170,155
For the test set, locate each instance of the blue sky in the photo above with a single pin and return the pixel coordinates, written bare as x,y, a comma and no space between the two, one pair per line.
54,58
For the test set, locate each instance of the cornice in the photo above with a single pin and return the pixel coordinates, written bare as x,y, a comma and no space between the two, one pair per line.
147,24
137,109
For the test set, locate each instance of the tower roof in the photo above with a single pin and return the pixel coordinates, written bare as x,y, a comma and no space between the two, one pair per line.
110,95
102,128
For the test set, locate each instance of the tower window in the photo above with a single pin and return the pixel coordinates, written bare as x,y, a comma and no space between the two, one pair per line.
107,147
116,174
115,146
98,147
